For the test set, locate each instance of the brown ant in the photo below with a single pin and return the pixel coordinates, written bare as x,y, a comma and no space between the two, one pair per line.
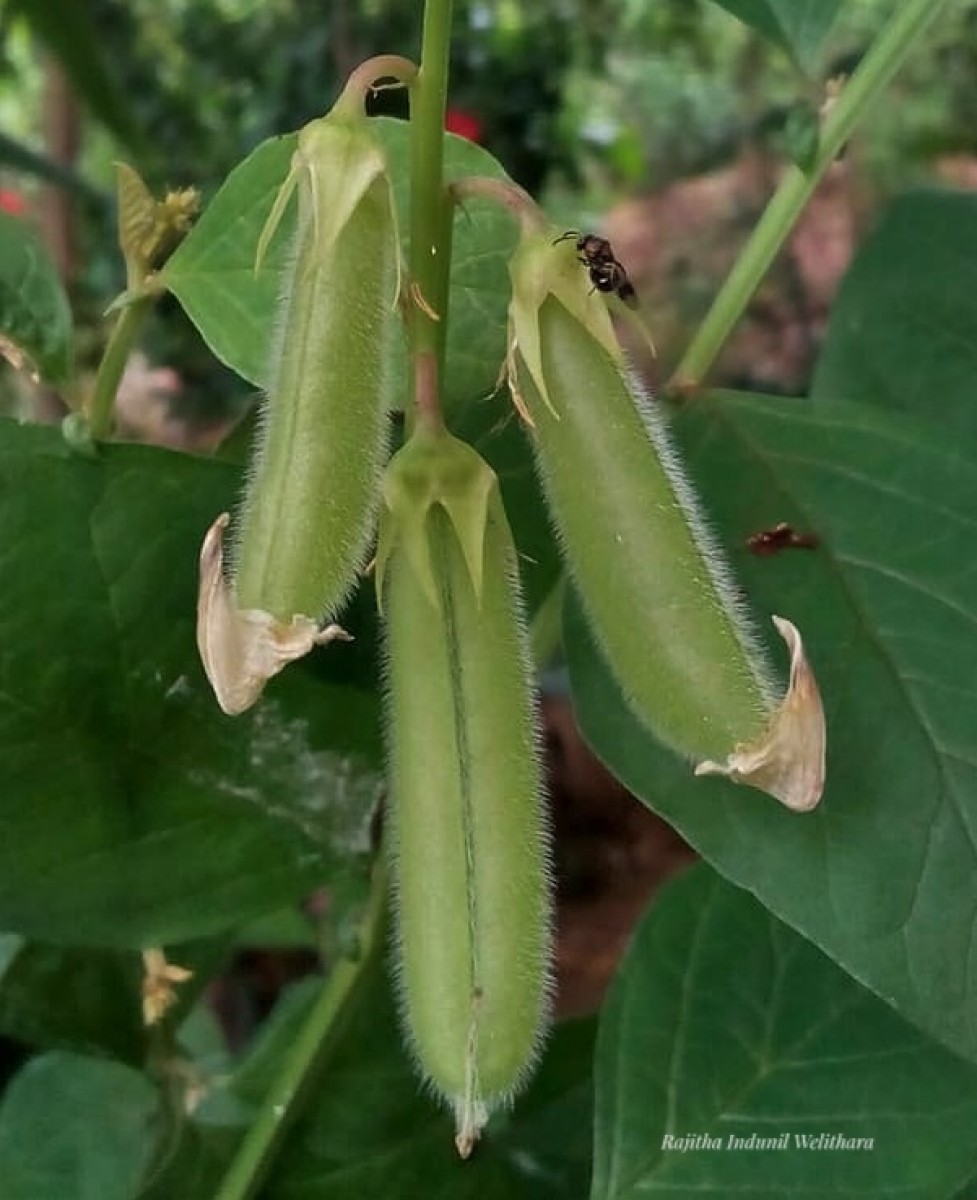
606,273
781,537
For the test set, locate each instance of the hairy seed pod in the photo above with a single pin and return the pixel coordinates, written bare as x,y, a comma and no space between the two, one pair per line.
649,575
470,848
653,583
308,514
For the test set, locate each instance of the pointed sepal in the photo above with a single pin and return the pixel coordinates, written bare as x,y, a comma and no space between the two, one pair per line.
540,269
435,469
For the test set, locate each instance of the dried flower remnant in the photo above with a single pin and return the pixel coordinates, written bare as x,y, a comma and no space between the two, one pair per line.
159,985
241,649
788,760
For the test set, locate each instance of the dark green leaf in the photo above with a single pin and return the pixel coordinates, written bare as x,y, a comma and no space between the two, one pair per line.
74,1128
903,332
134,813
969,1190
799,26
212,273
193,1168
723,1024
34,313
85,1000
369,1131
883,876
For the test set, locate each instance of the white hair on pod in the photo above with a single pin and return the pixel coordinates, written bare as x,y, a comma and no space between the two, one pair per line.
470,1117
720,572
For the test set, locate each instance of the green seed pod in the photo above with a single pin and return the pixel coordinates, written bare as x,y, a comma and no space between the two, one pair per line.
308,514
468,835
653,583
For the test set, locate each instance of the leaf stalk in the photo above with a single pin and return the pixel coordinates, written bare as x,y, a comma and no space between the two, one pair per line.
886,55
430,210
283,1100
101,413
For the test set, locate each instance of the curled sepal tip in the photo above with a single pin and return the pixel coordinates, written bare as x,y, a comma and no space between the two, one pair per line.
787,760
241,649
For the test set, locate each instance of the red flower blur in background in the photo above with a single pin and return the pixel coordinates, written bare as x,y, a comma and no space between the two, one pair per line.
465,124
12,202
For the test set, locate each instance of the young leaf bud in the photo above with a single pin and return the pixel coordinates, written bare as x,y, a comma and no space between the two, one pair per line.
653,583
469,843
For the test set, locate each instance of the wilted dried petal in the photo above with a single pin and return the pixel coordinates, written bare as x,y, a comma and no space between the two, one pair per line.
788,760
242,649
159,985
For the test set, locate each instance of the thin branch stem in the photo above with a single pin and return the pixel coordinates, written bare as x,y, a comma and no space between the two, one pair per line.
366,78
306,1056
427,404
430,212
121,340
886,55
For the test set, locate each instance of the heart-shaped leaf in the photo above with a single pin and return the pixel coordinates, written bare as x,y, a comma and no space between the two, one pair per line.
734,1059
799,26
212,273
133,811
903,331
883,876
76,1127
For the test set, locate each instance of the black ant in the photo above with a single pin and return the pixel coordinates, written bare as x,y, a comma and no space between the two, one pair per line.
606,273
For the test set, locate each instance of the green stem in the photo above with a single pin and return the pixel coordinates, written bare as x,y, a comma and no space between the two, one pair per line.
121,341
282,1103
430,210
884,58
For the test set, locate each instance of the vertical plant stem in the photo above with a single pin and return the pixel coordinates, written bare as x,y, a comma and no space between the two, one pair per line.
886,55
127,328
430,209
306,1056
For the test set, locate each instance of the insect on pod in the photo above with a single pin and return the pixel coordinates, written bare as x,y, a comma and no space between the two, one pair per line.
308,514
658,595
468,835
606,273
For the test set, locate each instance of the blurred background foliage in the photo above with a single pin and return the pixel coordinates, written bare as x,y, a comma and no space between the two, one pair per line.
585,102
